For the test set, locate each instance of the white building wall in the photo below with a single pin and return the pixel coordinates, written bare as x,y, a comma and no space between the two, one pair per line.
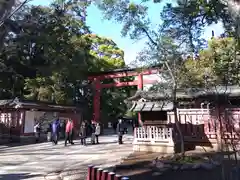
29,122
30,118
35,116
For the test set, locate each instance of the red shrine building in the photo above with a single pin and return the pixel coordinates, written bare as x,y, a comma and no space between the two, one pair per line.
18,117
209,118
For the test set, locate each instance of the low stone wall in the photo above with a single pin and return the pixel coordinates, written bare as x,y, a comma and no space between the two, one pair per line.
168,148
161,148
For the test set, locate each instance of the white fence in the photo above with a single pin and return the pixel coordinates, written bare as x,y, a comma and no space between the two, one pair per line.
153,135
196,125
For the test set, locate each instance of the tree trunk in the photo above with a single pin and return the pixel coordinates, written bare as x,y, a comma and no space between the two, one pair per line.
177,122
174,100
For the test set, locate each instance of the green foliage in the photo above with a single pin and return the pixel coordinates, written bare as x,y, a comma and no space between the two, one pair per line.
106,54
132,15
48,53
218,64
178,37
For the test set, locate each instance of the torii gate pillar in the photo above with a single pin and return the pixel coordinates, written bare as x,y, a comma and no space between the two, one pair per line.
140,87
96,100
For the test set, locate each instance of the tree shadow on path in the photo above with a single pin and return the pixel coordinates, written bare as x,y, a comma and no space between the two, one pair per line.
17,176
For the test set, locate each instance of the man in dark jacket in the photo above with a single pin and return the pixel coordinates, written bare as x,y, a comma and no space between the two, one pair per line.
120,131
55,131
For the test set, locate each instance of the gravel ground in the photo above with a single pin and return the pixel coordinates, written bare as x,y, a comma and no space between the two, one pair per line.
46,161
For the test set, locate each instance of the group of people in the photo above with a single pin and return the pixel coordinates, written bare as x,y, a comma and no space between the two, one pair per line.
94,130
69,131
55,128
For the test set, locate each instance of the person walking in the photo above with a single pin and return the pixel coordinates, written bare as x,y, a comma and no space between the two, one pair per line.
120,130
93,135
55,131
97,132
37,132
83,133
69,132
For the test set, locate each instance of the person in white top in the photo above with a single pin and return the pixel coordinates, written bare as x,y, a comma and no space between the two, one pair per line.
97,132
37,131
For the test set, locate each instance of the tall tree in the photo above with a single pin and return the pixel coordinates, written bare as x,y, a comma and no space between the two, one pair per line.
216,65
53,53
49,46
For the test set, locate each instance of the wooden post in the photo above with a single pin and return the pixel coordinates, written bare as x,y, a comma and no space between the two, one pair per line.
99,173
96,100
104,175
111,176
94,173
89,173
140,87
117,177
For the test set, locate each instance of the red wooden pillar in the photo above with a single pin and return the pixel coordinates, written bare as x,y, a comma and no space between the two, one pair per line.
117,177
94,173
89,173
99,173
104,175
111,176
140,87
96,100
23,118
140,82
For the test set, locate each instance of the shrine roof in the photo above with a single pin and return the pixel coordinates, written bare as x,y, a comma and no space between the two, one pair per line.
152,106
190,93
18,103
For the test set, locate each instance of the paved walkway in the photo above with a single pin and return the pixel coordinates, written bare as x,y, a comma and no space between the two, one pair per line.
45,161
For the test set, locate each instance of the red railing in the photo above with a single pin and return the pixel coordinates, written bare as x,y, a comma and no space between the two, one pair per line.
206,122
95,173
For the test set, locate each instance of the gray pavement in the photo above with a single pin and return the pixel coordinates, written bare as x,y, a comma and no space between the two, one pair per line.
45,161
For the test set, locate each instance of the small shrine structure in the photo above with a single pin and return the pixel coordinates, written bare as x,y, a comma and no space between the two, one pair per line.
208,118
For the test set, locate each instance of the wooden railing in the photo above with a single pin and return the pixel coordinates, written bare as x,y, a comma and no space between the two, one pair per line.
153,134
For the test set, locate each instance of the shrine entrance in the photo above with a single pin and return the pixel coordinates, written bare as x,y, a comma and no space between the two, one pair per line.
98,78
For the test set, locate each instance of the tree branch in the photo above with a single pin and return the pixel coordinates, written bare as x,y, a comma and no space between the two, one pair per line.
171,73
149,37
14,11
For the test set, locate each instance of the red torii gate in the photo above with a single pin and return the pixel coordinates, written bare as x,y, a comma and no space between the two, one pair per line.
120,73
